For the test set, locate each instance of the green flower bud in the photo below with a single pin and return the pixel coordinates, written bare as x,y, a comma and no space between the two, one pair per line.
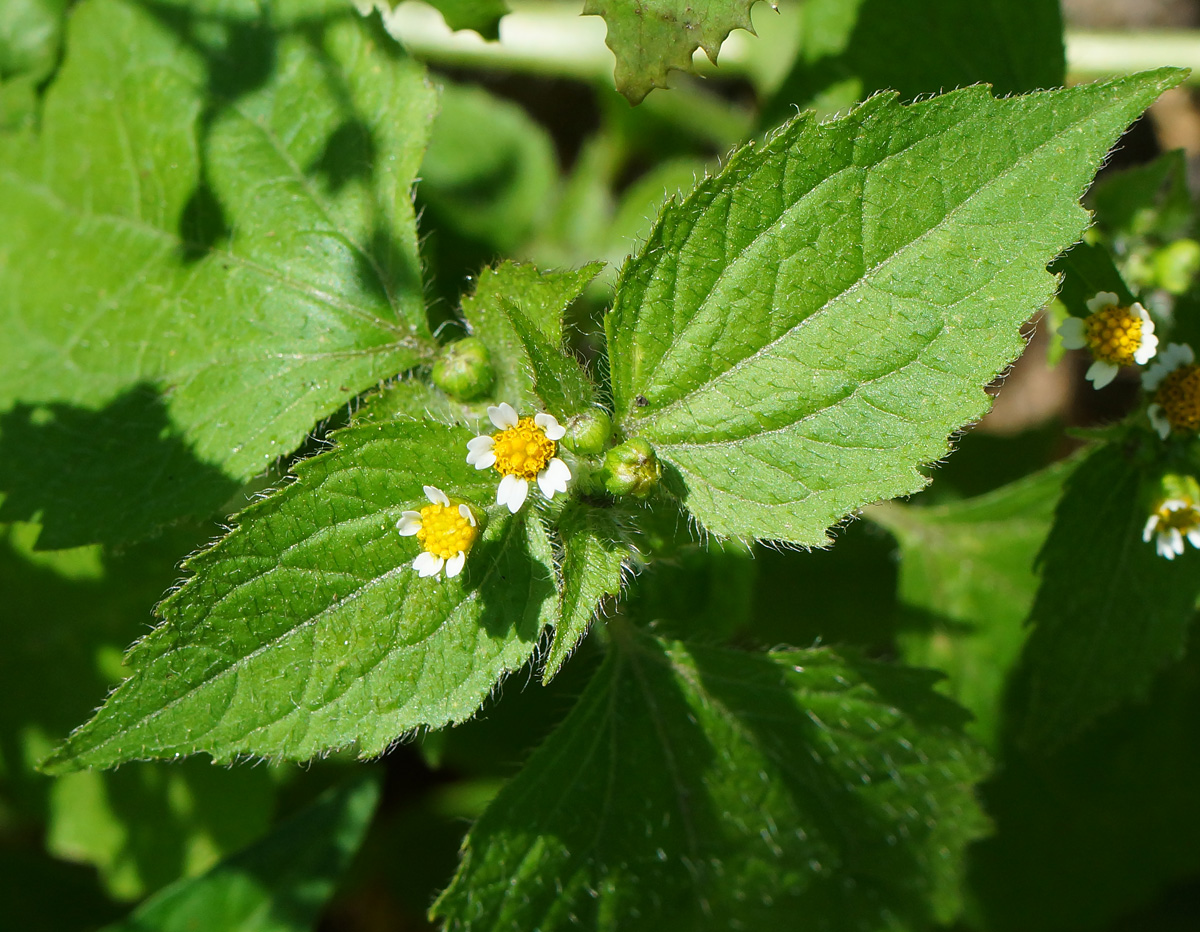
632,469
1176,265
588,433
464,370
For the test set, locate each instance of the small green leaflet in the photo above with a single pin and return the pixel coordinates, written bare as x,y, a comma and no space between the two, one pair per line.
216,216
592,568
540,299
806,328
651,37
279,884
306,629
967,580
1110,613
699,788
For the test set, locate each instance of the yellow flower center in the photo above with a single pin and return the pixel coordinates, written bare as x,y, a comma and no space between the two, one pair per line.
444,531
1179,397
1114,335
523,451
1183,519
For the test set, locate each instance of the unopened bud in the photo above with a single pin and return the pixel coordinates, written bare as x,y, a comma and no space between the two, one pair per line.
632,469
464,370
588,433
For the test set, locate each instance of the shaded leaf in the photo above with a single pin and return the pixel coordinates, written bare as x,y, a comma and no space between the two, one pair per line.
699,788
306,629
244,245
967,581
805,329
279,884
1109,613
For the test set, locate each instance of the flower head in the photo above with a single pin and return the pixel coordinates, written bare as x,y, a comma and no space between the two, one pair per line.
446,532
523,450
1116,336
1172,521
1175,381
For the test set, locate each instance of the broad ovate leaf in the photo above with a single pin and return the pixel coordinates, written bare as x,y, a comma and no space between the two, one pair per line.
214,228
307,629
698,788
801,333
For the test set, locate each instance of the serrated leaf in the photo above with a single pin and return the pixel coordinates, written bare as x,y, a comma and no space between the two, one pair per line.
805,329
849,49
651,37
230,200
591,570
561,384
481,15
1109,614
541,297
306,629
279,884
699,788
967,580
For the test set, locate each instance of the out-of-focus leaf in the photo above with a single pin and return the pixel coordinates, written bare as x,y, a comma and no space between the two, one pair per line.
651,37
699,788
214,228
1150,199
149,824
30,34
1088,268
849,49
967,581
1110,613
279,884
804,330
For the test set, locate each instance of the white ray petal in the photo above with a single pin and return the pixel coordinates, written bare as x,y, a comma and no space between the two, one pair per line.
409,523
455,564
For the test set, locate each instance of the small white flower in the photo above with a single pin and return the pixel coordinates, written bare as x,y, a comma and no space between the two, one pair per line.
523,450
446,533
1116,336
1175,519
1175,382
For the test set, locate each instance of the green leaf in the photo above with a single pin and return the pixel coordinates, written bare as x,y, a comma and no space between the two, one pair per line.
481,15
967,581
807,327
651,37
541,297
1087,269
279,884
230,199
1101,826
561,384
306,629
700,788
849,49
149,824
1147,199
594,557
490,171
1110,613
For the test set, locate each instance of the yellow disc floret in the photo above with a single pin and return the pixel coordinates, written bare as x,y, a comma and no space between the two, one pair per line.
1179,398
523,451
445,531
1114,334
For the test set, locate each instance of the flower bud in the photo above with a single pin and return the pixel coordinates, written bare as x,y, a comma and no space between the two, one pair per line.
588,433
464,370
632,469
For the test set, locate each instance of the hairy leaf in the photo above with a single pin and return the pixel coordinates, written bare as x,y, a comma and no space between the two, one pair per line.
1110,613
967,580
650,37
306,629
700,788
804,330
279,884
216,211
541,297
591,569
